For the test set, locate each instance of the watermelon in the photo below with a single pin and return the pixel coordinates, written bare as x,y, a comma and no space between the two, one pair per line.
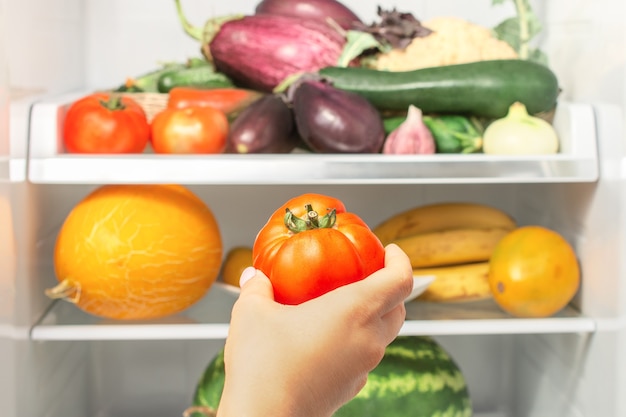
209,388
416,378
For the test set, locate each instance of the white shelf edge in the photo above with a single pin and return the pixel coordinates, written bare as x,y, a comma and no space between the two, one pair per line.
220,331
129,332
309,169
498,326
65,322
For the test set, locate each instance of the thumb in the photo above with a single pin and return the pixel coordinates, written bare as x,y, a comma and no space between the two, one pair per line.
253,281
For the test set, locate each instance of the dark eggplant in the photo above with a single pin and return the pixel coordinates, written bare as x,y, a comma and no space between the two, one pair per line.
330,120
311,9
265,126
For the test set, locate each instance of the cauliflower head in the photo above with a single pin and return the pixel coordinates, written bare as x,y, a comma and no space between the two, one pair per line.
453,41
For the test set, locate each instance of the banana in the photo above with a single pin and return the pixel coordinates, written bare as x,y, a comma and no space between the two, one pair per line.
456,283
450,247
442,216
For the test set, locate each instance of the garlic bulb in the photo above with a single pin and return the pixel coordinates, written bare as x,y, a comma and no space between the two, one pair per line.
411,137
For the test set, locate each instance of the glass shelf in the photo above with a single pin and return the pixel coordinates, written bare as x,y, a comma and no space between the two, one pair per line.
208,319
577,161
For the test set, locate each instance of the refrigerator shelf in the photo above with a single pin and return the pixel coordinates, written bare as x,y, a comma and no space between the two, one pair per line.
576,162
12,169
13,155
208,319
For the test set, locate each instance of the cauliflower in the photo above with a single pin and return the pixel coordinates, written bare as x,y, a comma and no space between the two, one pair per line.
453,41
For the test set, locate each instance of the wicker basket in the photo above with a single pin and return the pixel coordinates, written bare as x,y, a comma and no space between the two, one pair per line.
152,103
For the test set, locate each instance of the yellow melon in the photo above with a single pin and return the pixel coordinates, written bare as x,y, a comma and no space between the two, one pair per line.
137,252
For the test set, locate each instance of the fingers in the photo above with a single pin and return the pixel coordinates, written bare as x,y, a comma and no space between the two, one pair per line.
255,282
389,286
392,323
396,258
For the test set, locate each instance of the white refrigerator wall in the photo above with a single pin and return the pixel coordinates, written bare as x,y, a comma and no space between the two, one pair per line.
55,46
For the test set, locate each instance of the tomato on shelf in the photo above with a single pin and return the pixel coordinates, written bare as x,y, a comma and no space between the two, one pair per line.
105,123
190,130
312,245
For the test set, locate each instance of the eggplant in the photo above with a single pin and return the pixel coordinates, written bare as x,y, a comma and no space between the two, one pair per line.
265,126
322,10
260,51
330,120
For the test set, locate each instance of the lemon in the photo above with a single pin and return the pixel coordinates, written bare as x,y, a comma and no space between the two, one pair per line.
237,259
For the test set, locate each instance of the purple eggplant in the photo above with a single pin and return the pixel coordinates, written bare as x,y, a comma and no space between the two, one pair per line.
265,126
260,51
330,120
322,10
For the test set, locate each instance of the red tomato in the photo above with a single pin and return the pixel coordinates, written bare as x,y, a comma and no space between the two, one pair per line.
311,245
190,130
105,123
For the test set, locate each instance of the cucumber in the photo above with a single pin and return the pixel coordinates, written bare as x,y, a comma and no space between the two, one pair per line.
454,134
484,88
392,123
148,82
203,76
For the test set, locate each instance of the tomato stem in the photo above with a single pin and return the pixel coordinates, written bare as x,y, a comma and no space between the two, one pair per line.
311,221
114,102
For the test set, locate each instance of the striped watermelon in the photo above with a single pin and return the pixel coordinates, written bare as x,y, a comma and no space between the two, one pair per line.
210,387
416,378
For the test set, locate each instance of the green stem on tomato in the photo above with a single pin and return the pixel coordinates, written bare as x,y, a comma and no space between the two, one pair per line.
312,220
113,103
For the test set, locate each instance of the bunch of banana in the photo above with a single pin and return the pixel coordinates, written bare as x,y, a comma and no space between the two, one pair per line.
451,241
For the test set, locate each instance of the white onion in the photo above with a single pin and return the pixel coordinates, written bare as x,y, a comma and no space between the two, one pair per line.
520,134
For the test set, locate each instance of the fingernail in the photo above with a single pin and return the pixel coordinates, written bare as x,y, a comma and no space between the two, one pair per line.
246,275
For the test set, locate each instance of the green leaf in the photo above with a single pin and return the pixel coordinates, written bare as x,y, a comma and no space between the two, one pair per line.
512,31
538,56
357,42
508,31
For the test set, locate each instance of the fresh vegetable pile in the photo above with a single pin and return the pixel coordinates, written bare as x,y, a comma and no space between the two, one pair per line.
416,376
318,79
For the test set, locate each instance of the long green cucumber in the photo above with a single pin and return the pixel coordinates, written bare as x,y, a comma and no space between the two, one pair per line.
484,88
199,77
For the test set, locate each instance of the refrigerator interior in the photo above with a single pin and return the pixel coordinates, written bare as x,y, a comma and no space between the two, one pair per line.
60,362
